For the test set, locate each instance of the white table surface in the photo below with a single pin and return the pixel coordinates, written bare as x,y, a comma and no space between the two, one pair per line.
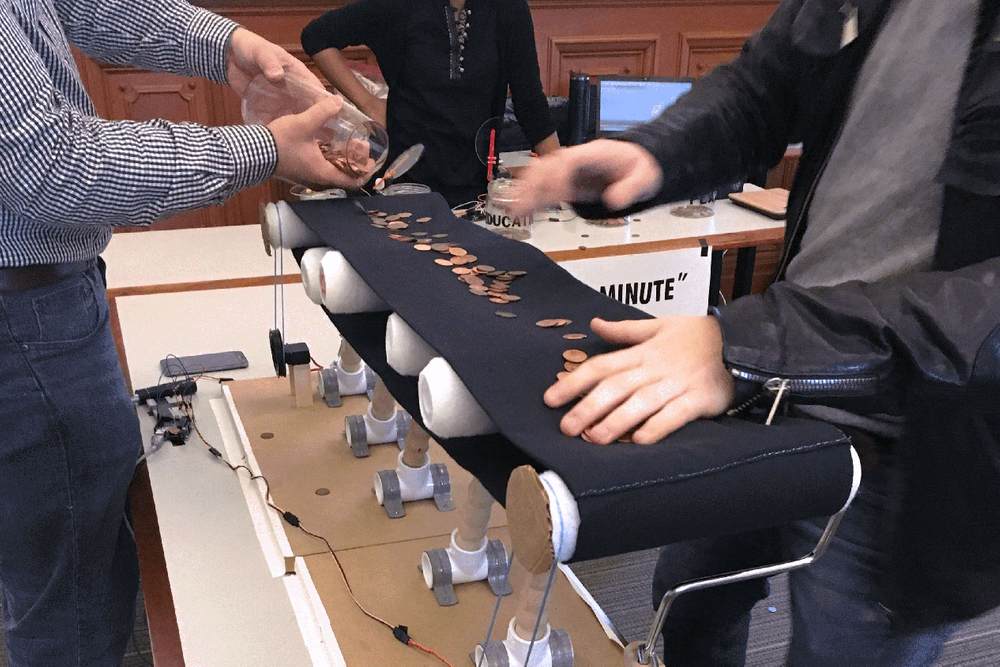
230,611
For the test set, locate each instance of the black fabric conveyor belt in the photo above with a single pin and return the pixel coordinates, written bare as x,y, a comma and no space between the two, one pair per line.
713,477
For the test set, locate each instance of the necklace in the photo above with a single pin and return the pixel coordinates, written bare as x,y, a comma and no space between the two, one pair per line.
458,34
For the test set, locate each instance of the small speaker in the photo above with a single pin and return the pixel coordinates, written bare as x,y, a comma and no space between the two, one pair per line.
581,112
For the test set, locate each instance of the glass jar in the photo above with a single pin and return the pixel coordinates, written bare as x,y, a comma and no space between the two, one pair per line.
501,193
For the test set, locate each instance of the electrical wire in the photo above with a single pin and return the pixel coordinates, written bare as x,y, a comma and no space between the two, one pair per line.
400,632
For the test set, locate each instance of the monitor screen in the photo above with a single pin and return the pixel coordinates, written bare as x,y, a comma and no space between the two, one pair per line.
629,102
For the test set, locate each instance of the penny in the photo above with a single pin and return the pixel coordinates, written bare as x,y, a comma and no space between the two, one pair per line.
575,356
574,336
512,298
458,252
322,492
405,215
419,233
485,268
470,259
392,218
571,366
517,274
399,224
423,220
478,291
461,271
440,247
439,236
562,375
442,262
497,299
505,314
266,436
422,247
549,324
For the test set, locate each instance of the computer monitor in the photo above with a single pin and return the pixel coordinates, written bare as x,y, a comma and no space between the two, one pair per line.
625,102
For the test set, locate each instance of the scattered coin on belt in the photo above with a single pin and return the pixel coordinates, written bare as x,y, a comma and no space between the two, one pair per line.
556,322
485,268
517,274
458,252
440,247
561,375
505,314
405,215
419,233
496,299
422,247
574,336
461,271
442,262
571,366
442,235
399,224
423,220
512,298
575,356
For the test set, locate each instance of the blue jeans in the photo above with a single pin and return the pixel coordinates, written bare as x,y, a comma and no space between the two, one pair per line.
836,615
69,439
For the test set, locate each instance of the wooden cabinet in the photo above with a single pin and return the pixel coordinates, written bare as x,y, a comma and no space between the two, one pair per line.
637,37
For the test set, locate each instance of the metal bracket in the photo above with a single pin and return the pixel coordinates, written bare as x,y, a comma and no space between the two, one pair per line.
357,435
370,378
496,559
392,499
442,487
403,421
494,654
331,388
443,586
560,648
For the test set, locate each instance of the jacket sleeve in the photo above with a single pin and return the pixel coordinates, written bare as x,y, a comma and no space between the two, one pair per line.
866,346
735,120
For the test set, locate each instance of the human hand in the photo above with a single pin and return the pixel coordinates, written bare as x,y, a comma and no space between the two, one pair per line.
300,157
250,55
617,173
377,111
671,375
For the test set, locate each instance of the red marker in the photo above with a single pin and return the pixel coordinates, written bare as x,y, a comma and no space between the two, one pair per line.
491,160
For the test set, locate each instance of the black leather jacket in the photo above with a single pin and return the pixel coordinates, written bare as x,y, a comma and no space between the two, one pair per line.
926,345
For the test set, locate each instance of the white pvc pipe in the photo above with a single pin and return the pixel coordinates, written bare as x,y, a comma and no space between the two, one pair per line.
517,650
285,229
310,266
414,483
466,566
378,431
406,352
564,514
352,384
343,291
446,405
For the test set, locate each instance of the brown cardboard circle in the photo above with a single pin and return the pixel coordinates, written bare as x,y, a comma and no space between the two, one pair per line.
529,520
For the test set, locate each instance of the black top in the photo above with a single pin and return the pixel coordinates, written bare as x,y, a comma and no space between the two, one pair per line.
431,101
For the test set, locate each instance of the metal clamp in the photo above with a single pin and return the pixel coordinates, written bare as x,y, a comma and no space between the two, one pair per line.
560,648
357,435
494,654
330,388
498,567
442,487
442,583
392,499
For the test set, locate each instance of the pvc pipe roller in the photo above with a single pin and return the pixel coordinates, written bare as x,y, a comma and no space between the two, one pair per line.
342,290
414,483
406,352
448,408
285,229
467,551
310,266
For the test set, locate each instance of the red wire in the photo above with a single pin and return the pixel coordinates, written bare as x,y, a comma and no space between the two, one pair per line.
430,651
492,157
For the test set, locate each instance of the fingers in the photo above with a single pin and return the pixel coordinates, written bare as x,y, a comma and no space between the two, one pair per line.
640,406
672,417
637,185
587,376
322,111
606,397
628,332
544,183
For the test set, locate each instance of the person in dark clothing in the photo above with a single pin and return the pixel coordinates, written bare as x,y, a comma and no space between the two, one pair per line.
884,320
449,66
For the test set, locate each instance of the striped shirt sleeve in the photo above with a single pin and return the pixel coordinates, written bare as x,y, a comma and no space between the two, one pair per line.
162,35
60,166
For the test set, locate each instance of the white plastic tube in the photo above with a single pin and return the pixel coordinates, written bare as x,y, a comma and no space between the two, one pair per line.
466,566
565,515
406,352
343,291
517,650
414,483
310,266
285,229
380,432
351,384
446,405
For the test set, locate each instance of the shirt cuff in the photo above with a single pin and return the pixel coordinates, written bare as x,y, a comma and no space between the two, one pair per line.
206,46
254,153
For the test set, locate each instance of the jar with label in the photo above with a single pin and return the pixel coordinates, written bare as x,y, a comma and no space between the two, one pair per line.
500,195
